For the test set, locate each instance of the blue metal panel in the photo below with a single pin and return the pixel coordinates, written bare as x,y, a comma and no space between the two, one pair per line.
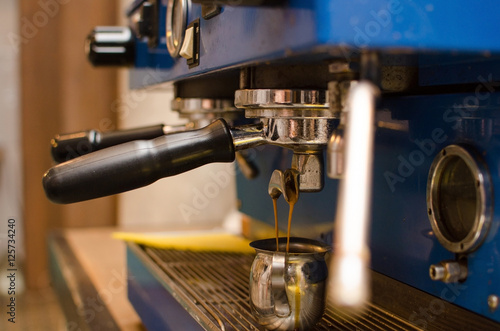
158,57
410,24
239,35
402,243
311,29
313,213
446,69
156,307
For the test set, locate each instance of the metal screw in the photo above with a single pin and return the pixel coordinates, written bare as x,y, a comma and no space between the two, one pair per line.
493,302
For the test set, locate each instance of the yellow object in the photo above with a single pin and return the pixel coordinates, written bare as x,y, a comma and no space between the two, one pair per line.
217,242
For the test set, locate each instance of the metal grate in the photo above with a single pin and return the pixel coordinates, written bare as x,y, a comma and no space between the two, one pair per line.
216,288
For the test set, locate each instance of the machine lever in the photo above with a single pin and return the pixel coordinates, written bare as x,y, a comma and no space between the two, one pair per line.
137,163
65,147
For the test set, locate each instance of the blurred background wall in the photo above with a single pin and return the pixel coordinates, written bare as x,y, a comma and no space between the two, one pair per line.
59,92
180,202
48,87
201,198
11,201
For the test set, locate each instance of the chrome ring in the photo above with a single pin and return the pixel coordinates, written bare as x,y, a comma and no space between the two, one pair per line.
203,105
275,103
441,175
270,98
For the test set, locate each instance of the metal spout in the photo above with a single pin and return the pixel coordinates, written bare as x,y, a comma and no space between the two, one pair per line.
286,183
310,167
349,284
300,120
309,163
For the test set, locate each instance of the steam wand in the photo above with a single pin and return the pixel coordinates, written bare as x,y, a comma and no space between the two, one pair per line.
349,283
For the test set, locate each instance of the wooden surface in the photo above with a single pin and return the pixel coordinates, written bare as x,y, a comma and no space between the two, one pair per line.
103,260
60,92
36,310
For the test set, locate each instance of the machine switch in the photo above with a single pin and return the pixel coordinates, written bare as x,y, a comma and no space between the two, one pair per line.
188,44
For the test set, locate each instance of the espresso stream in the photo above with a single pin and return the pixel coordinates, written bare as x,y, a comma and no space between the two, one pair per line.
275,207
296,288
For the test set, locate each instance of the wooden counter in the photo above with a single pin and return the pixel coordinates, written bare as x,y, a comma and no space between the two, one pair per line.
88,270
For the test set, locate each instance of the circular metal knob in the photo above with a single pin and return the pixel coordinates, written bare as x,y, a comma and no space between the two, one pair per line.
111,46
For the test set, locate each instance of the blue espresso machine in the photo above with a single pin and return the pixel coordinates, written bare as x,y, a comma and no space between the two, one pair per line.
433,163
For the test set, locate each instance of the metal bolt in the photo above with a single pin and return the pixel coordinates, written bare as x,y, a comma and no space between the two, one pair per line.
493,302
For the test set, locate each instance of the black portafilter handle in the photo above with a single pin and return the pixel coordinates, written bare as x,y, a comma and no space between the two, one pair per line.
71,145
138,163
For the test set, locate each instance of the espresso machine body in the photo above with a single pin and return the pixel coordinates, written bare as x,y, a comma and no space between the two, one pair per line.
434,217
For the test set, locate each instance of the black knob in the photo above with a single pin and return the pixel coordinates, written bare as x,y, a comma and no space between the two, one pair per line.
111,46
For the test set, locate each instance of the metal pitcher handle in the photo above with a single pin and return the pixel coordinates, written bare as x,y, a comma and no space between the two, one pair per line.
278,285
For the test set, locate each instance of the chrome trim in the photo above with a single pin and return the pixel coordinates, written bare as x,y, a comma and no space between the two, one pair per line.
203,105
484,193
297,119
250,136
285,103
203,111
172,48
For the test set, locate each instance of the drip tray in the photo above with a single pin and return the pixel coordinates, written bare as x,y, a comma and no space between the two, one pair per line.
213,288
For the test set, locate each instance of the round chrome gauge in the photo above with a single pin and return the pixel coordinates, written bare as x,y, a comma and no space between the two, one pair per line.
176,25
459,199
